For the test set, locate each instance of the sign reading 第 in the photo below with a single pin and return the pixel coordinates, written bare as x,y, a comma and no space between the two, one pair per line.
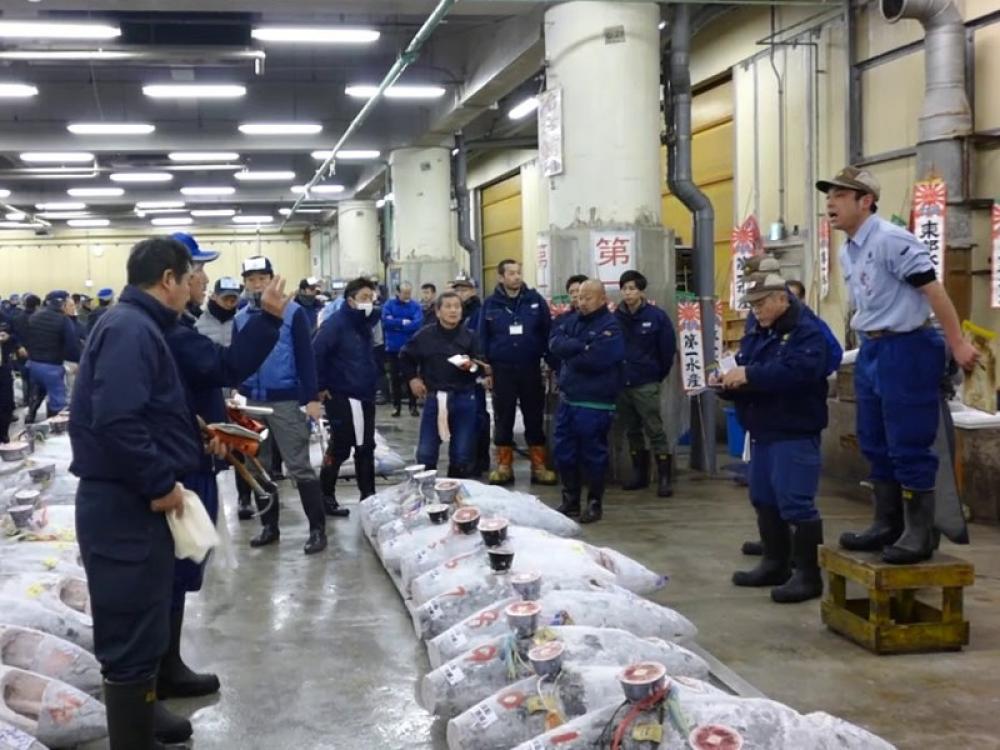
744,243
995,295
550,132
613,254
543,261
929,211
692,352
824,258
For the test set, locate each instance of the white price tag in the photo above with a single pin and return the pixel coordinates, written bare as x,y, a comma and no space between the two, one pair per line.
516,329
457,638
485,715
727,364
453,674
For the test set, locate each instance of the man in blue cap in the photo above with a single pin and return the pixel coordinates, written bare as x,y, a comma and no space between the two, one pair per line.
199,256
52,341
105,298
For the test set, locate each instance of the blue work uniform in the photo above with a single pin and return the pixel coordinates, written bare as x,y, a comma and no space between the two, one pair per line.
206,368
591,349
783,407
133,439
472,310
902,361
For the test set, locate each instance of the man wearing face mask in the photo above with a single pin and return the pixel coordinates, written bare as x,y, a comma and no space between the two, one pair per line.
217,322
307,299
346,369
285,382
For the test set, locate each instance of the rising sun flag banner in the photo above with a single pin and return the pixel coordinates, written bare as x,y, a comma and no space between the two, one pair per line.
692,350
995,271
930,208
744,242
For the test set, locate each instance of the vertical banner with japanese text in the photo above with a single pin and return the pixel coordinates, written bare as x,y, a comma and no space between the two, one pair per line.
719,330
995,270
824,258
543,259
692,351
550,132
929,210
744,243
613,254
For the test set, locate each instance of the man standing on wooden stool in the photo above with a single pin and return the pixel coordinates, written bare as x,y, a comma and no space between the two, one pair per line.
898,371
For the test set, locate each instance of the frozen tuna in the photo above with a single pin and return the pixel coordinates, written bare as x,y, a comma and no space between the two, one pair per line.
57,714
12,738
51,656
64,623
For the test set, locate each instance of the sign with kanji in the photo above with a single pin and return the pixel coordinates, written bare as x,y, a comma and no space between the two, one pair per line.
719,326
613,254
744,243
929,212
995,272
550,132
692,351
824,258
543,261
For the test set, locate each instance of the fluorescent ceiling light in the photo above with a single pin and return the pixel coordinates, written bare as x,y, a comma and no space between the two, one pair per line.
16,216
65,55
206,168
523,109
56,157
252,219
203,156
347,154
61,206
100,192
315,35
88,222
390,197
209,190
65,175
4,193
159,204
194,91
208,212
281,128
144,211
17,91
380,203
396,92
64,215
662,25
18,225
288,211
110,128
318,189
265,176
172,221
141,177
45,30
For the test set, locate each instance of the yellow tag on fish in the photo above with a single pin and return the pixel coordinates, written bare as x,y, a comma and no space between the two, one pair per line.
648,733
35,590
50,562
535,705
553,720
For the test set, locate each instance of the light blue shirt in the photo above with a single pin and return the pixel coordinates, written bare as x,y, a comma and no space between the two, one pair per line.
876,262
329,309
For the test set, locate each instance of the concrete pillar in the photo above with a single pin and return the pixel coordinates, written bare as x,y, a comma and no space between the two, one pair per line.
605,57
424,225
357,222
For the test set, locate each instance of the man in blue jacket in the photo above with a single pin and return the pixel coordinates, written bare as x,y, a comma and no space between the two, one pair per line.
206,368
346,371
401,318
472,308
513,336
133,439
285,382
780,392
650,348
52,340
591,348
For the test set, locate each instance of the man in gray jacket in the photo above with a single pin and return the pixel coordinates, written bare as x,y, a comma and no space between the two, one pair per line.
217,323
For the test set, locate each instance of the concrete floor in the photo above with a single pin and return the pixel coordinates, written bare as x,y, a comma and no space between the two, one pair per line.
319,652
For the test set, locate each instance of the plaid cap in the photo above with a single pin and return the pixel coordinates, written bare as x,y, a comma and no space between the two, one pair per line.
852,178
766,280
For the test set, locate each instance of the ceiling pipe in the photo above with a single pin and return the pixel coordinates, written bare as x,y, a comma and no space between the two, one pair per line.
460,178
404,61
677,76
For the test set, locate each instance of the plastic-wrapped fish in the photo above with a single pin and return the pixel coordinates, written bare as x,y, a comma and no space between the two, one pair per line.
63,594
535,704
31,613
611,608
49,655
57,714
12,738
461,682
42,557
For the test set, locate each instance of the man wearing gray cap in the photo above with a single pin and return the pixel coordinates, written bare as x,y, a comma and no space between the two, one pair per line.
217,324
898,372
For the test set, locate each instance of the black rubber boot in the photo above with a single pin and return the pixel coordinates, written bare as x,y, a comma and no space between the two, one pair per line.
129,708
806,582
595,502
267,509
364,471
664,473
640,472
414,411
169,728
176,679
571,489
917,542
752,549
397,411
5,422
328,476
773,569
886,527
244,511
311,495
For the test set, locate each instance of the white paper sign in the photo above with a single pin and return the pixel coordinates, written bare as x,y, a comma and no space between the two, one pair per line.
550,132
543,260
613,254
995,296
692,350
824,258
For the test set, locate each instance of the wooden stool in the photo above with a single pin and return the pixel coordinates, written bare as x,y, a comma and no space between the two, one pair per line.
891,620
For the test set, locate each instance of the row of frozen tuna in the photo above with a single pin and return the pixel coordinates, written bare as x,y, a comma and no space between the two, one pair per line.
49,679
538,640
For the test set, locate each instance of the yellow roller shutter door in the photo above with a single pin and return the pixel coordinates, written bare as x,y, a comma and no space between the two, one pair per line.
501,212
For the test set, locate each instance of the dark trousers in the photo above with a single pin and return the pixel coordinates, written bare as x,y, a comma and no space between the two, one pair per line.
189,575
6,402
513,385
897,383
128,553
397,384
482,462
785,474
461,424
581,440
344,438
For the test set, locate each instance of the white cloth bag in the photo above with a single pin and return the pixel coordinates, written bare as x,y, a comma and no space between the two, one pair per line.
194,534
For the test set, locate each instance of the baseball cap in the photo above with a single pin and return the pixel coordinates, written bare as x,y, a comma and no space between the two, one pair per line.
197,254
257,264
309,283
227,286
57,295
106,293
464,281
852,178
766,280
